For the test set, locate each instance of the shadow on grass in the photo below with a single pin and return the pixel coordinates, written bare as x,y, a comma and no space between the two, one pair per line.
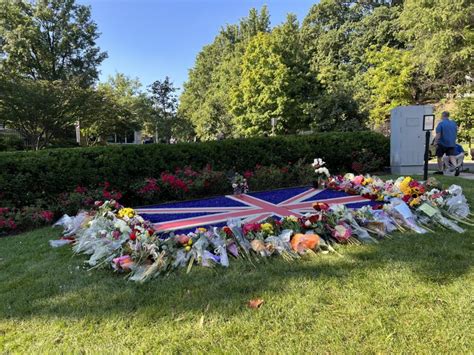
37,281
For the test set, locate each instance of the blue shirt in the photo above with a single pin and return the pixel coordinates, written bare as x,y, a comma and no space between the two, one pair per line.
448,131
458,149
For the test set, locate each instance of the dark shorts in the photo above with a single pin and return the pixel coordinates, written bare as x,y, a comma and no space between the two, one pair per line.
442,150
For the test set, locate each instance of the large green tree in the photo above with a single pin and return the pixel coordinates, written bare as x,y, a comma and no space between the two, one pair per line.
120,106
390,81
441,36
48,62
49,40
205,101
275,83
42,110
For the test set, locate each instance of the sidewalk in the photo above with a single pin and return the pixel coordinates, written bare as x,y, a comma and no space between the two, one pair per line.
466,175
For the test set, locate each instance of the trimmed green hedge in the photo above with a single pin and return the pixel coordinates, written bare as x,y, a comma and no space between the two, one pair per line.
28,176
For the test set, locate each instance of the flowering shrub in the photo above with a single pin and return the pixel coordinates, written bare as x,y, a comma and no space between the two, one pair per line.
182,183
16,220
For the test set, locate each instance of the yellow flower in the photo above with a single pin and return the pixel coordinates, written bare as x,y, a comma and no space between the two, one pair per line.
126,212
292,218
415,202
202,230
405,186
267,228
367,181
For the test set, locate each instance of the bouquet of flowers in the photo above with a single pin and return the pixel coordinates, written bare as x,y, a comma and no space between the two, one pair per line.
239,184
322,172
117,236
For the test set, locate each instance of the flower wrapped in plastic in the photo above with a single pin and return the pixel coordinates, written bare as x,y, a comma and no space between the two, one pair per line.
342,213
456,203
403,216
435,215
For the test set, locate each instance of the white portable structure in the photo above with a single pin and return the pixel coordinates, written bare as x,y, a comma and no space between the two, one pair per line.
407,139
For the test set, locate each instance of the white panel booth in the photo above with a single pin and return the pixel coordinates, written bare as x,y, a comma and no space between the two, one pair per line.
407,139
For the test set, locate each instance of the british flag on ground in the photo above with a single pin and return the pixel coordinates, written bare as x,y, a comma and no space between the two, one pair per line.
250,208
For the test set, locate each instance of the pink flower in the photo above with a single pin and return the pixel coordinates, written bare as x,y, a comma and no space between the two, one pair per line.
47,215
4,210
123,262
80,189
253,227
11,224
248,174
150,187
358,180
341,232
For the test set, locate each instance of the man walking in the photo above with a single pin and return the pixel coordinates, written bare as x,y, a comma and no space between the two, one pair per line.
445,140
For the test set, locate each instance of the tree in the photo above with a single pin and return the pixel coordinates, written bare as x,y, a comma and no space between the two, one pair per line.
205,101
464,116
261,94
440,34
275,83
165,102
389,80
40,109
120,107
49,40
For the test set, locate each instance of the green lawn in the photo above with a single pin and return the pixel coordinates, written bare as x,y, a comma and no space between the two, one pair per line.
412,293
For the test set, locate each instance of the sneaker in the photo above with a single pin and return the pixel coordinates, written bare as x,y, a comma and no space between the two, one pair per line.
438,173
457,171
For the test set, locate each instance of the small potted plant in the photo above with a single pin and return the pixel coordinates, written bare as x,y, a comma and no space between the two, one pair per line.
322,173
239,184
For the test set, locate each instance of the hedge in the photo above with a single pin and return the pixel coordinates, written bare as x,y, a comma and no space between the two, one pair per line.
28,176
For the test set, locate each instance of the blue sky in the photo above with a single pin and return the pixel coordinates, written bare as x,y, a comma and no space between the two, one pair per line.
150,39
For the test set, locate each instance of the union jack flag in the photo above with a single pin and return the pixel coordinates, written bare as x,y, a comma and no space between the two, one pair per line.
250,208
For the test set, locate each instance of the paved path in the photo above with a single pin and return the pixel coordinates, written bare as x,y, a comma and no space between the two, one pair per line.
468,168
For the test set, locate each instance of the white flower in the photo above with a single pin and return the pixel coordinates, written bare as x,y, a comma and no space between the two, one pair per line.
234,185
349,176
322,171
318,162
307,223
122,226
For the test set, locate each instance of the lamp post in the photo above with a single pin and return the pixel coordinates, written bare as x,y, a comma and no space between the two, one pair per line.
428,126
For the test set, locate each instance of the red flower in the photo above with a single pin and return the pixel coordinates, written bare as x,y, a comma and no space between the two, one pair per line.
12,224
253,227
228,231
248,174
150,187
133,235
80,189
321,206
47,215
406,198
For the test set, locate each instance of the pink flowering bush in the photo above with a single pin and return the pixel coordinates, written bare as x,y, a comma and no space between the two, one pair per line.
181,184
14,220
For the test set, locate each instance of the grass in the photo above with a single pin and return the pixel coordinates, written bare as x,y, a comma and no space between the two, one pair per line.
409,294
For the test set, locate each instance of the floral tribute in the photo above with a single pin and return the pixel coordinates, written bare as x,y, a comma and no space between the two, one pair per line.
117,237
